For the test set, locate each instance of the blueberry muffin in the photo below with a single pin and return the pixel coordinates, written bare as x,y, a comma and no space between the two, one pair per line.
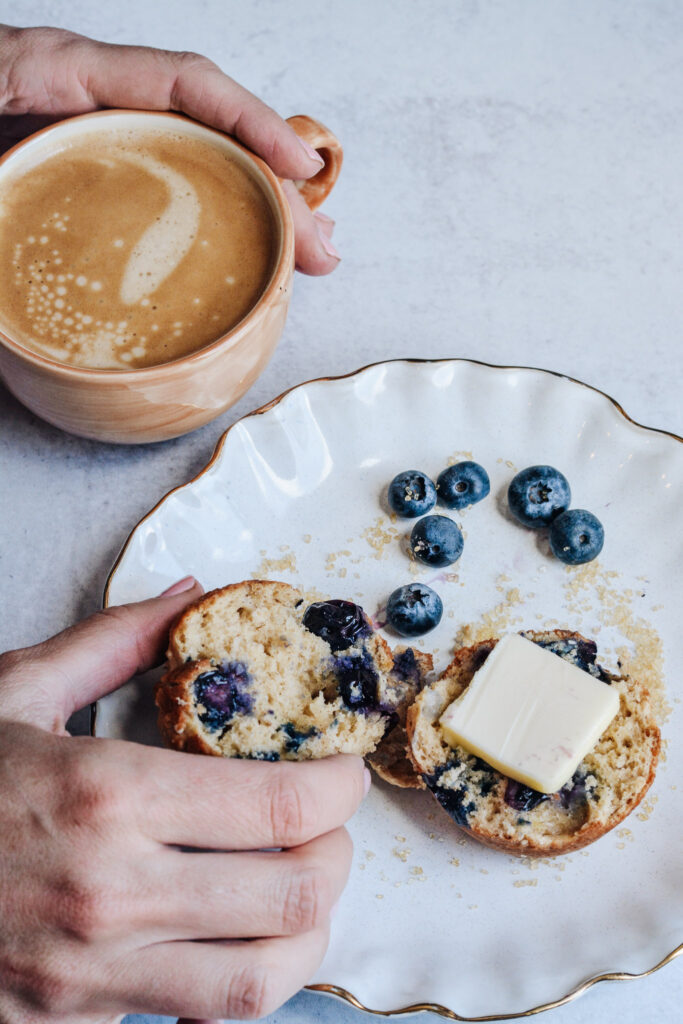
501,812
255,672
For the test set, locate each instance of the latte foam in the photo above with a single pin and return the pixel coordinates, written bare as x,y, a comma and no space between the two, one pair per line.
131,249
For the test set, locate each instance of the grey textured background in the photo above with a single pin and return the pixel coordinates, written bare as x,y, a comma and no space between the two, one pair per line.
511,192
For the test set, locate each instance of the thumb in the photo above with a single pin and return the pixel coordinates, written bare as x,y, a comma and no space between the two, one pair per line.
45,684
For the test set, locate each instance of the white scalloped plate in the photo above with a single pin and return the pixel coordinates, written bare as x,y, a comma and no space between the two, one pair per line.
294,492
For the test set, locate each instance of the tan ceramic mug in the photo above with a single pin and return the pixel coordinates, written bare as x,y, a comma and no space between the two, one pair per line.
157,402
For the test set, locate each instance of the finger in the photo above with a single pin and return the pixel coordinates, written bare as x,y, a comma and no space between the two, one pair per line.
82,663
314,252
60,73
242,980
139,77
225,803
252,895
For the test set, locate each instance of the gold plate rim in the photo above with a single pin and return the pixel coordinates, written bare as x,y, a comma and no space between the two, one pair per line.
337,990
443,1011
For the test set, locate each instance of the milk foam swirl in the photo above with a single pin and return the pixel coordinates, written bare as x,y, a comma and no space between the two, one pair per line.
165,242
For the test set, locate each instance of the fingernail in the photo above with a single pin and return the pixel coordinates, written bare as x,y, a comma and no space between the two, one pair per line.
310,152
178,588
327,244
319,215
367,780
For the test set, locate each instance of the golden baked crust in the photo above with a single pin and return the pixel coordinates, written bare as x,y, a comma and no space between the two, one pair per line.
611,780
178,722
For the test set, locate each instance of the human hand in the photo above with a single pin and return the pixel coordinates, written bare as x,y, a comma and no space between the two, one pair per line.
47,74
101,913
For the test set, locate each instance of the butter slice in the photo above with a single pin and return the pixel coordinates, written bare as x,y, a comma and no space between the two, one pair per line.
530,714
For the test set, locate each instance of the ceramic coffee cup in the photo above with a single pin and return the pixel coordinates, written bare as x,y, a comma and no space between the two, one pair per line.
157,402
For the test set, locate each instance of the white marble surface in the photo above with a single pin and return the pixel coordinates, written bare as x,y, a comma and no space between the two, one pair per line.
511,193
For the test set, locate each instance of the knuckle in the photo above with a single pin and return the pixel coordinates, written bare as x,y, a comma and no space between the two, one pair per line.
291,811
46,989
88,798
82,910
273,151
307,901
10,661
188,60
250,993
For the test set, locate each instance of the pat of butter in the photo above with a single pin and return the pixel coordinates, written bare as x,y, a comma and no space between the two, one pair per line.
530,714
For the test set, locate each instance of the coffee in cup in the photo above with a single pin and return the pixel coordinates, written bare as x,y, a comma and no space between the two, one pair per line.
132,248
103,261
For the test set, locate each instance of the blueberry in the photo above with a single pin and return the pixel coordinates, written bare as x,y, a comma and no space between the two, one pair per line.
537,495
580,652
452,800
358,682
222,692
411,494
295,737
436,540
406,668
576,536
574,791
339,623
414,609
521,797
462,485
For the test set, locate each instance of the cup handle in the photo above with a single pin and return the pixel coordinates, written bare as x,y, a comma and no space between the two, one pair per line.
315,190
